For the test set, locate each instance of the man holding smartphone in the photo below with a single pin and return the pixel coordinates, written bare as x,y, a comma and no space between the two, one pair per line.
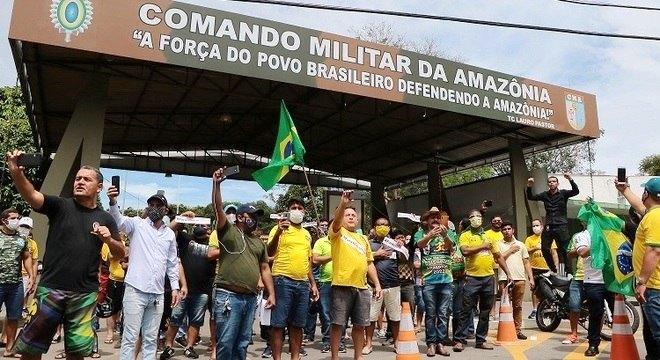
68,289
153,254
291,246
556,221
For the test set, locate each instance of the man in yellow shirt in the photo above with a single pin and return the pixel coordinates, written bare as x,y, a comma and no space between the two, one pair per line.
116,287
646,264
352,262
25,225
495,235
536,259
480,252
291,246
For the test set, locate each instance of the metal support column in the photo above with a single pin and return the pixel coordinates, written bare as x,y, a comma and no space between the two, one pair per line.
519,176
80,145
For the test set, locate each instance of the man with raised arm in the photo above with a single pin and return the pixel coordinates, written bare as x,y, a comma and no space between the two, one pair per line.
556,221
68,289
243,262
352,262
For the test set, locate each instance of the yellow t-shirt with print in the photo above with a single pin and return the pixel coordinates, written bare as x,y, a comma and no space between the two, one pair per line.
34,254
496,237
536,259
481,263
351,255
648,234
292,257
117,273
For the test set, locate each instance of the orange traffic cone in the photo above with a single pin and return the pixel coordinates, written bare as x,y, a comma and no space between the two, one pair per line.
623,342
506,328
406,345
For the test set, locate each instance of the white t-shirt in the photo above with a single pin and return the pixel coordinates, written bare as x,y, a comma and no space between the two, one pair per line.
591,275
515,261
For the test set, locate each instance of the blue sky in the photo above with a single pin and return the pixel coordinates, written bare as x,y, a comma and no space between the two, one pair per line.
623,74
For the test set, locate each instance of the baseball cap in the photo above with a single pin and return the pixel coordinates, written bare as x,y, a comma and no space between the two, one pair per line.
433,210
26,221
245,208
653,186
159,197
230,208
294,200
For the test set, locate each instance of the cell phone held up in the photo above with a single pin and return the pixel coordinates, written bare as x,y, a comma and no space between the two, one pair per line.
621,175
115,182
30,160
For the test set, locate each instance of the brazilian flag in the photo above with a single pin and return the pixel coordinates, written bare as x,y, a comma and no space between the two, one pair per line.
611,250
288,151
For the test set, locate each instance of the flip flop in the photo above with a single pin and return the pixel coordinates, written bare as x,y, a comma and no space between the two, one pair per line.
60,356
367,351
109,341
95,356
11,355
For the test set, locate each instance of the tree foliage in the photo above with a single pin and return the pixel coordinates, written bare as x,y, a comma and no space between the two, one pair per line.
650,165
15,133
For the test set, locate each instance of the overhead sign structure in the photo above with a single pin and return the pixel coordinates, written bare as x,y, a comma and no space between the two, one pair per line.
198,37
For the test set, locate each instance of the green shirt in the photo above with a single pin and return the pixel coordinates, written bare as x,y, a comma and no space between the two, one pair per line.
241,256
11,254
322,248
436,264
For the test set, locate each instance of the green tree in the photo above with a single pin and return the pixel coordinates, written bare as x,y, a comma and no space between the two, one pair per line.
15,133
650,165
302,192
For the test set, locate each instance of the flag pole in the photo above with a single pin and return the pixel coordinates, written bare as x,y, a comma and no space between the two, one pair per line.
311,194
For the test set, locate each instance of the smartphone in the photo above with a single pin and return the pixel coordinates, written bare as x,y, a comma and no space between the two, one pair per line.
280,216
621,175
30,160
233,170
360,195
115,182
488,203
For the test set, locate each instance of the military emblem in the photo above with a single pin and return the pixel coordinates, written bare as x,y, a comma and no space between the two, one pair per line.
71,17
575,111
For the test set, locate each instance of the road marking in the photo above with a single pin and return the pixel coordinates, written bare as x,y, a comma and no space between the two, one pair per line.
518,349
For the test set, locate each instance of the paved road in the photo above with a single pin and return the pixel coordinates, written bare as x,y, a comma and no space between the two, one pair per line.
541,346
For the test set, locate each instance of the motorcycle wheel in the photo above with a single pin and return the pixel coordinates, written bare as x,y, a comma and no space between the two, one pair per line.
633,317
547,316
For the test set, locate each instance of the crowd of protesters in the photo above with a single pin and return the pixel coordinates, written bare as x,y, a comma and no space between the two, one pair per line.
153,279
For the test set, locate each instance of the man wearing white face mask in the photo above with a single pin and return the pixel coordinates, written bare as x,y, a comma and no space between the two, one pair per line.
25,225
13,252
536,259
291,245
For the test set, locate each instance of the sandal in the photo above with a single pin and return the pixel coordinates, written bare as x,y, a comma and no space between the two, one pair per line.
109,341
11,355
61,355
367,351
95,355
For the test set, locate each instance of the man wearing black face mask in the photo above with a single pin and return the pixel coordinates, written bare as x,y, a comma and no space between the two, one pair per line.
244,260
199,280
153,254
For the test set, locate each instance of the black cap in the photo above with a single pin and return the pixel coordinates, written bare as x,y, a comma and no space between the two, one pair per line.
159,197
245,208
293,200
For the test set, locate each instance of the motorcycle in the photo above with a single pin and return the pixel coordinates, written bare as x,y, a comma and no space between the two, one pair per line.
553,294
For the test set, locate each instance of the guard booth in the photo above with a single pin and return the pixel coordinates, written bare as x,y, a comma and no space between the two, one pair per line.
171,87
